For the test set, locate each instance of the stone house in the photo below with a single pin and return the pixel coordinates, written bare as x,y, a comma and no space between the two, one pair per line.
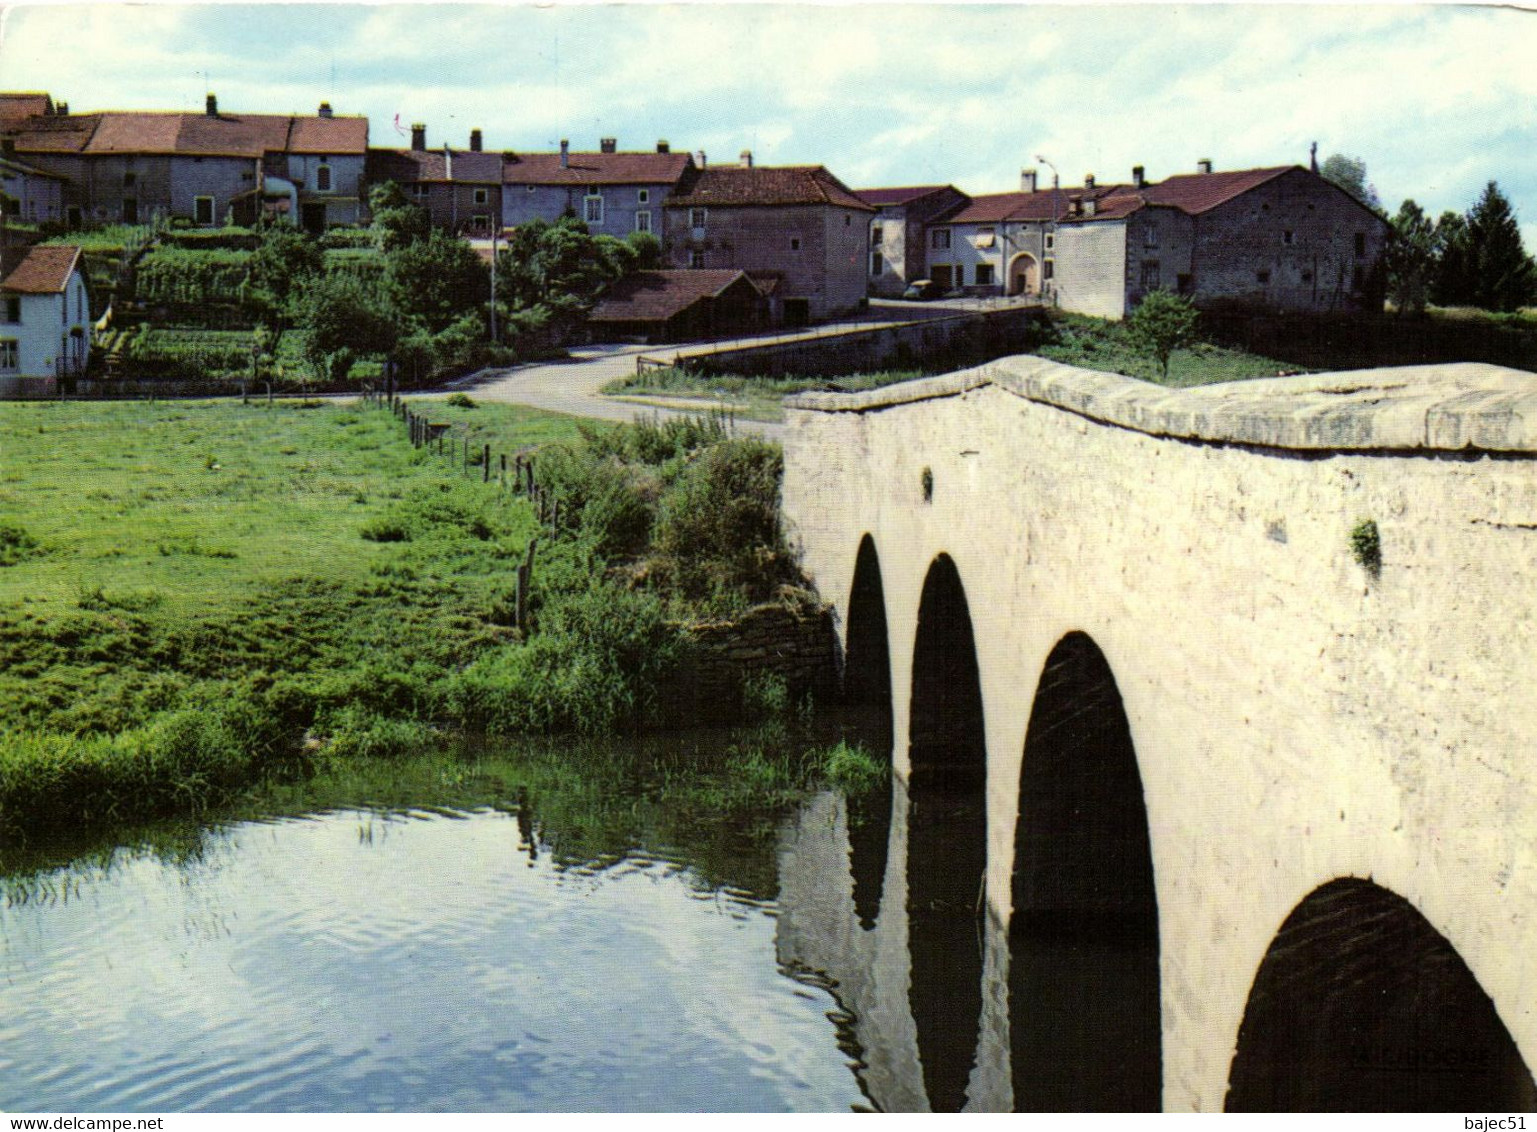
460,189
26,192
129,166
898,247
802,234
615,192
45,322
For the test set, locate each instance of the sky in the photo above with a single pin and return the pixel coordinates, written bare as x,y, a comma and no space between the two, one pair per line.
1436,99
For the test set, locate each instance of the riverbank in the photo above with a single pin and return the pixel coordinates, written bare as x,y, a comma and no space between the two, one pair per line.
194,595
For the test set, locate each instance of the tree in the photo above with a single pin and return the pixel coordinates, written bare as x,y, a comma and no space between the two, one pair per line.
437,280
1161,324
1411,259
345,319
282,265
648,250
1452,283
396,221
562,269
1349,173
1503,275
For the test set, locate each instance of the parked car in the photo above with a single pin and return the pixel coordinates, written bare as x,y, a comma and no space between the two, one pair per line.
921,289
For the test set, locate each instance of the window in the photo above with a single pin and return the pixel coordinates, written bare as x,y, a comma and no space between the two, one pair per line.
1150,236
1049,268
202,210
940,241
795,243
1360,245
323,179
419,191
1150,275
877,265
248,176
10,353
1262,278
696,217
984,274
643,221
129,178
1051,240
592,209
1286,237
875,233
12,308
985,237
480,222
1186,283
847,220
643,196
130,212
482,196
696,258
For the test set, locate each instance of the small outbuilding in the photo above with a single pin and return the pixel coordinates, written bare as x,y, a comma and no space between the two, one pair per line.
672,306
45,322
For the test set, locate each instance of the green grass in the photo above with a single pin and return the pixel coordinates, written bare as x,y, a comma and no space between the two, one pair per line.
1099,344
754,398
110,239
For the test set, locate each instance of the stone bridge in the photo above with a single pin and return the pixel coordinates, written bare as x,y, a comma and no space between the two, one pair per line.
1228,688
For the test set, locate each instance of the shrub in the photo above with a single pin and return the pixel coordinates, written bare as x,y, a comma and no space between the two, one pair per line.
460,400
385,530
15,544
1366,546
853,769
192,278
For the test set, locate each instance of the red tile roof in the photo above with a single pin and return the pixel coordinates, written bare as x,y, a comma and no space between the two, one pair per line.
406,166
203,135
24,103
656,296
642,168
44,271
730,186
905,195
1201,192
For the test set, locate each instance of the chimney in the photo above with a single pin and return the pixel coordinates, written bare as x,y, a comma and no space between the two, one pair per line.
509,156
1088,180
1089,205
418,136
699,159
608,145
1313,157
211,107
745,161
662,146
474,141
1139,176
1027,180
1203,165
62,110
325,109
565,153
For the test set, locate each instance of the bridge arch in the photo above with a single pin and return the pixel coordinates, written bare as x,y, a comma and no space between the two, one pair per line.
1085,1026
867,697
947,838
1361,1005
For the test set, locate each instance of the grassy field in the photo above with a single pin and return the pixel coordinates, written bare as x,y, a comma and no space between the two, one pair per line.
754,398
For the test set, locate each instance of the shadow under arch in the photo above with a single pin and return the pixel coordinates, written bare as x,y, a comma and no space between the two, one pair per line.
1360,1005
947,838
867,702
1084,1021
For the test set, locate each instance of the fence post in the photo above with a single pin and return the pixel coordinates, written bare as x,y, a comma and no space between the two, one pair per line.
485,465
504,469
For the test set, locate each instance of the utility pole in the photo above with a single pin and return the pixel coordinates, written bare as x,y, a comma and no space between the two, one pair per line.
495,224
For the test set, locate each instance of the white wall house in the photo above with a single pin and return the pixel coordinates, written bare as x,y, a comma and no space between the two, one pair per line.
45,322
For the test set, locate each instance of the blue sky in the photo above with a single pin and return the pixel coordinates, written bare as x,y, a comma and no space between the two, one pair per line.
1436,99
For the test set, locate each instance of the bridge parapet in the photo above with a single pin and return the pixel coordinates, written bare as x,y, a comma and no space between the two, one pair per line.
1468,406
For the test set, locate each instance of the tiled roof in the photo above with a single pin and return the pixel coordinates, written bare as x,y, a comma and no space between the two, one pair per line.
766,185
656,296
642,168
24,103
406,166
44,271
1200,192
203,135
906,195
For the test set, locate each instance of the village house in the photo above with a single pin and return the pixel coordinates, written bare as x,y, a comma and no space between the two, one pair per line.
45,322
26,192
614,192
460,189
802,234
129,166
676,305
898,250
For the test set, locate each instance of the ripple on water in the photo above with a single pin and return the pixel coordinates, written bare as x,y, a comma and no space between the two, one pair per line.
356,961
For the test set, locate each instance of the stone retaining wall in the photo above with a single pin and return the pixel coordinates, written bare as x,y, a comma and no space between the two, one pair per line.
796,644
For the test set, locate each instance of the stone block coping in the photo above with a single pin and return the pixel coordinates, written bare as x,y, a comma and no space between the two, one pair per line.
1459,407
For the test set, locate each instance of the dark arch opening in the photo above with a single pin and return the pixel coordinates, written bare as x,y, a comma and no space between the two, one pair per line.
1084,1020
947,838
867,695
1361,1006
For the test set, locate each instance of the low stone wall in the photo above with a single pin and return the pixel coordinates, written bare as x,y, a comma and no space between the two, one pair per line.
798,645
27,388
964,339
